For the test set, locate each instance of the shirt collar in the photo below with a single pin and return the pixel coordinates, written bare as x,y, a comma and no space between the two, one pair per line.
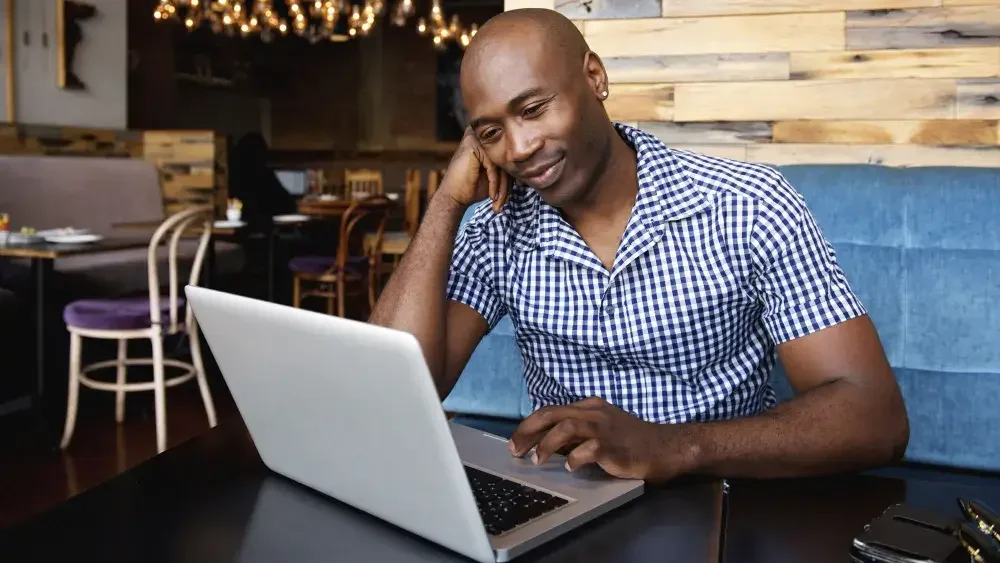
665,193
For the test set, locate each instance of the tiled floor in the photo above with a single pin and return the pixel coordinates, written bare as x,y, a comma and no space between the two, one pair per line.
33,480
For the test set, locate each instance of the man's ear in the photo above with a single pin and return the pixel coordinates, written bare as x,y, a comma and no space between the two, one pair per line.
596,75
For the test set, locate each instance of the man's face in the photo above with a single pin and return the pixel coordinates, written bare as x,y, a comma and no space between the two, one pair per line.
535,117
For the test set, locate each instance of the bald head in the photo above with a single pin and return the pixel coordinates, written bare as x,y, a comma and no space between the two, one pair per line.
554,32
534,93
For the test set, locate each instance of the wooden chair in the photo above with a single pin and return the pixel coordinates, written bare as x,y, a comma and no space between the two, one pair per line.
433,181
150,318
395,243
361,184
411,202
350,264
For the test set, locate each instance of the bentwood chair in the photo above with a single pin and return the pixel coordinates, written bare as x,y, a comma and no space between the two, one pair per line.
153,317
328,276
363,183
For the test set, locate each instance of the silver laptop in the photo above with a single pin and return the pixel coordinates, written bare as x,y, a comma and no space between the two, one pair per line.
349,409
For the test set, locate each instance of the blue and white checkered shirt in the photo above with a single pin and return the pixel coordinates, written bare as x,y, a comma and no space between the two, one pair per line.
720,261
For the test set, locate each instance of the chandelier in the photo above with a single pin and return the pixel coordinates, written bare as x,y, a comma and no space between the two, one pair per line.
314,20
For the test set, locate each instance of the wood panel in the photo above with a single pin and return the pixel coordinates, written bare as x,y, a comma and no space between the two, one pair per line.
723,132
928,27
737,34
819,99
517,4
638,102
10,142
971,62
979,99
896,82
888,155
607,9
687,8
940,132
186,161
699,68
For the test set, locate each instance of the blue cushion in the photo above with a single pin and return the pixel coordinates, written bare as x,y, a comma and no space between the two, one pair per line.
921,247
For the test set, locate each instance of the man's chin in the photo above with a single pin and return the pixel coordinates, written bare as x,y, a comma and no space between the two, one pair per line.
556,195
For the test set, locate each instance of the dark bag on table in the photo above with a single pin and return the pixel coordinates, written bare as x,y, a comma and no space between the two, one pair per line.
906,534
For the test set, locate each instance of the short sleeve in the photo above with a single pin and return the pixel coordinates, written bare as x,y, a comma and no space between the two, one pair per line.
797,277
470,277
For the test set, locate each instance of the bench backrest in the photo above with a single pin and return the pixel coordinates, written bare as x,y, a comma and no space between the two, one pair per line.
47,192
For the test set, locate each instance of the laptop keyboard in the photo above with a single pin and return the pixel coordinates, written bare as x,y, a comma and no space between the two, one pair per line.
505,504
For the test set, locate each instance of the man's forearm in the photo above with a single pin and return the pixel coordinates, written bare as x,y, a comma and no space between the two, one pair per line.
414,299
836,427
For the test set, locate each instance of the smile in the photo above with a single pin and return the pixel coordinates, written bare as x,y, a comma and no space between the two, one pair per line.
545,177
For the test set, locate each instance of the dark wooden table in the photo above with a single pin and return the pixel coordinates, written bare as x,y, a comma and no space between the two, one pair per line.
42,257
815,520
211,499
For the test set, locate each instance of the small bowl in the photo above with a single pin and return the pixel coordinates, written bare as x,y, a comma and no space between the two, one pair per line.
233,215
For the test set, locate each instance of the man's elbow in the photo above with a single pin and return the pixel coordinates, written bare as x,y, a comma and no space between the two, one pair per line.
893,429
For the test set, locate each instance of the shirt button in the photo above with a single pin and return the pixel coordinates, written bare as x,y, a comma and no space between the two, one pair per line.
609,309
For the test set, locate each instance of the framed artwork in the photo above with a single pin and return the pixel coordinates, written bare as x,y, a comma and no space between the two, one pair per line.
69,34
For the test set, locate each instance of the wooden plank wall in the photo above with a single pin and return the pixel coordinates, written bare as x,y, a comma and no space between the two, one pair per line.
899,82
192,164
50,140
187,164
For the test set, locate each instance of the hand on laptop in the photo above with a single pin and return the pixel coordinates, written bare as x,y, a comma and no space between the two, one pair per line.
594,431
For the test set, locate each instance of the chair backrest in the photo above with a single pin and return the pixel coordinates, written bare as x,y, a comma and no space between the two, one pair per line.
411,218
363,217
433,180
359,184
174,227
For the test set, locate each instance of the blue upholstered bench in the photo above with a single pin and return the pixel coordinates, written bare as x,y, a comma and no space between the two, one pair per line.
921,246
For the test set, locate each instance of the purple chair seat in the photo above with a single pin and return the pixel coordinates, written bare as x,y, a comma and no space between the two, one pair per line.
116,314
318,264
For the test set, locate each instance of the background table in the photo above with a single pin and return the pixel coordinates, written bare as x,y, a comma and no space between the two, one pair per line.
211,499
42,256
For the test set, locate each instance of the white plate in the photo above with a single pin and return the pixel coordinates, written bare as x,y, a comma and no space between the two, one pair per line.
294,218
228,224
63,232
73,239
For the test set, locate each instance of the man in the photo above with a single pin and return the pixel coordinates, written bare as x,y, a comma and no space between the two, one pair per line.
649,288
